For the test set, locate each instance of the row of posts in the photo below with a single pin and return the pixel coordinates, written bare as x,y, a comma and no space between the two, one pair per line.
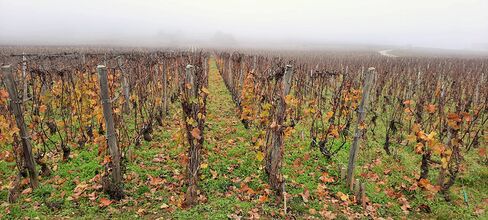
15,106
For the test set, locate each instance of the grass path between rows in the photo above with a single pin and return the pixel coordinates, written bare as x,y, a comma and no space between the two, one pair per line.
233,179
229,163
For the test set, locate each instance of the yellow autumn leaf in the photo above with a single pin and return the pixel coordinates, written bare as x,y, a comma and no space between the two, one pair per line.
200,116
437,149
191,121
431,135
411,138
334,132
342,196
260,156
205,90
444,162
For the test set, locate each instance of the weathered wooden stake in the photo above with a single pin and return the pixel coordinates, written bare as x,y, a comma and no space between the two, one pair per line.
287,80
24,77
190,90
356,188
275,149
340,167
359,131
114,186
125,87
165,89
284,199
229,73
190,76
16,108
362,196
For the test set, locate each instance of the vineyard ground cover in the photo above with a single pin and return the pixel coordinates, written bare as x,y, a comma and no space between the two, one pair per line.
233,180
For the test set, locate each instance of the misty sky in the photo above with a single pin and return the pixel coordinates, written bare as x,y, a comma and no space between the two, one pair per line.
457,24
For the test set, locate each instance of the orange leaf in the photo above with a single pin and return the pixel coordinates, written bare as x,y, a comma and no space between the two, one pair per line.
154,181
263,199
334,132
104,202
325,178
482,151
454,117
27,191
42,108
430,108
106,160
419,148
424,182
196,133
3,94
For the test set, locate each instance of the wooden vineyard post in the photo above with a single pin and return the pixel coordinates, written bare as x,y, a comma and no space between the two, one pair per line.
165,89
241,82
194,152
362,195
24,77
194,109
16,108
359,127
113,185
190,76
125,87
356,188
193,102
343,172
275,148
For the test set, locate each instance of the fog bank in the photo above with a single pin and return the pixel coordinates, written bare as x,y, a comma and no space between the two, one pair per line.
448,24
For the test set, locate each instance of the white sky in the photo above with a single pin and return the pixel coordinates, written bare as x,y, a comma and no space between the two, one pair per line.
459,24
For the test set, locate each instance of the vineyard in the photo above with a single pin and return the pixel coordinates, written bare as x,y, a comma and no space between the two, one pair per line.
221,134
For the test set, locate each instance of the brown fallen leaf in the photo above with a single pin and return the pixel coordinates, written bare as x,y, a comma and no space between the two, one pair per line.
214,174
141,211
104,202
312,211
328,214
305,195
27,191
479,211
196,133
326,178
